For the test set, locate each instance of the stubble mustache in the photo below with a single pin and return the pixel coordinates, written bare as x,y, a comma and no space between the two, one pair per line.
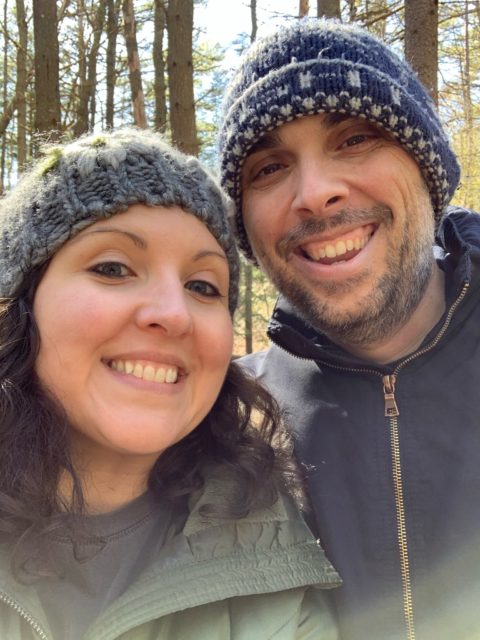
380,214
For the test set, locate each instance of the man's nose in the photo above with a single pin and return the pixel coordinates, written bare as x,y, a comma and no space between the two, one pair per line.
321,188
165,306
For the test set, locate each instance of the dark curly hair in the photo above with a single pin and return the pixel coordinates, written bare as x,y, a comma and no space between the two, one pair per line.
242,436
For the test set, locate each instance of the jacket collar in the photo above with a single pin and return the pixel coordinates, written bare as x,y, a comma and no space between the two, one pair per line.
220,489
212,559
457,252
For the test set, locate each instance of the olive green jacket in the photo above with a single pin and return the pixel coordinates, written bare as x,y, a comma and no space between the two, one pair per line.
192,591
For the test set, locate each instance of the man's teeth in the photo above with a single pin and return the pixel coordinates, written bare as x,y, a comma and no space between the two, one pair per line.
339,248
146,372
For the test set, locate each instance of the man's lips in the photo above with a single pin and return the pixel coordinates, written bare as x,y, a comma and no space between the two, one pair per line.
338,248
328,239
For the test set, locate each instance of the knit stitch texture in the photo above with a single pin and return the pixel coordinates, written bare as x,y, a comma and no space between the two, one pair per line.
94,178
323,66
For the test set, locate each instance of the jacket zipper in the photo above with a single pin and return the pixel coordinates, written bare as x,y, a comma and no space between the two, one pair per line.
392,412
24,614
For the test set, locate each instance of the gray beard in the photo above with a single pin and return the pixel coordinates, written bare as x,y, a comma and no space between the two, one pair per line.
391,303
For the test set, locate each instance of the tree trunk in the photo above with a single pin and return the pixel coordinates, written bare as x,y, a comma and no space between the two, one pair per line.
253,18
88,78
247,267
352,10
62,10
47,93
81,123
138,98
328,9
21,85
7,114
180,75
4,94
421,41
160,120
468,165
98,29
248,281
303,8
111,76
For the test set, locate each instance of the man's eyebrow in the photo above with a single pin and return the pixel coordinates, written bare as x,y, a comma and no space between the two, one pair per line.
272,139
137,240
269,141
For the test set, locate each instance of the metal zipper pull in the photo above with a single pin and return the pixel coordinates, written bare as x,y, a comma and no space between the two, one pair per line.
391,409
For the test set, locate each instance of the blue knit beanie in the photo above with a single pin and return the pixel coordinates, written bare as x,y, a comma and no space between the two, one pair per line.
322,66
94,178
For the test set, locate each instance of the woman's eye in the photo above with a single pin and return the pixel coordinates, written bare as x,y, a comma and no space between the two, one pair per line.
203,288
111,270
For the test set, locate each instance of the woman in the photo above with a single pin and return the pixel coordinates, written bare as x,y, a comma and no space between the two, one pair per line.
137,501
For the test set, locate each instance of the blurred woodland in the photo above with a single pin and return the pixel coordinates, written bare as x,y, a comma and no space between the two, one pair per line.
70,66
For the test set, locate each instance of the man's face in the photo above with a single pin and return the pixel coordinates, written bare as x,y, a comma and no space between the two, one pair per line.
339,217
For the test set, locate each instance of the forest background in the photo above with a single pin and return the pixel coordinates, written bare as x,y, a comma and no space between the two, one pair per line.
71,66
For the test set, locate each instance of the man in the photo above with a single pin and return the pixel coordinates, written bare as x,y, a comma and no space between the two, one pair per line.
340,171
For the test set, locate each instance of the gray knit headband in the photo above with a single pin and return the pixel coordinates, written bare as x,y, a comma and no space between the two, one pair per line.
323,66
96,177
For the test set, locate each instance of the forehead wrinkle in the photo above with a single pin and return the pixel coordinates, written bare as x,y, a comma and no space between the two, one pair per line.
333,118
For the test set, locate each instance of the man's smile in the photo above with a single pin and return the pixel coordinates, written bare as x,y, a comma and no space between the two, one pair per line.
339,249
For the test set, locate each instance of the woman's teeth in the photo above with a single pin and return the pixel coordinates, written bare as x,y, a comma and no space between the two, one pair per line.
147,372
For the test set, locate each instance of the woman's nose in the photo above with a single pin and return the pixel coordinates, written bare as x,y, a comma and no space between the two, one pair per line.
165,307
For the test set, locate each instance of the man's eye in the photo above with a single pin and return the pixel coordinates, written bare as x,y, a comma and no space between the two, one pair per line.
355,140
268,169
203,288
111,270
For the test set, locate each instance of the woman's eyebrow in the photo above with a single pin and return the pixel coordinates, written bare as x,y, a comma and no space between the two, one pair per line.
137,240
207,254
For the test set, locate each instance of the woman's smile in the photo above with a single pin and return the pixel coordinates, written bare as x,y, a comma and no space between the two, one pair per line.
149,372
135,330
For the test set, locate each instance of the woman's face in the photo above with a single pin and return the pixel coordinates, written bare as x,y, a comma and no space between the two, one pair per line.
135,332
